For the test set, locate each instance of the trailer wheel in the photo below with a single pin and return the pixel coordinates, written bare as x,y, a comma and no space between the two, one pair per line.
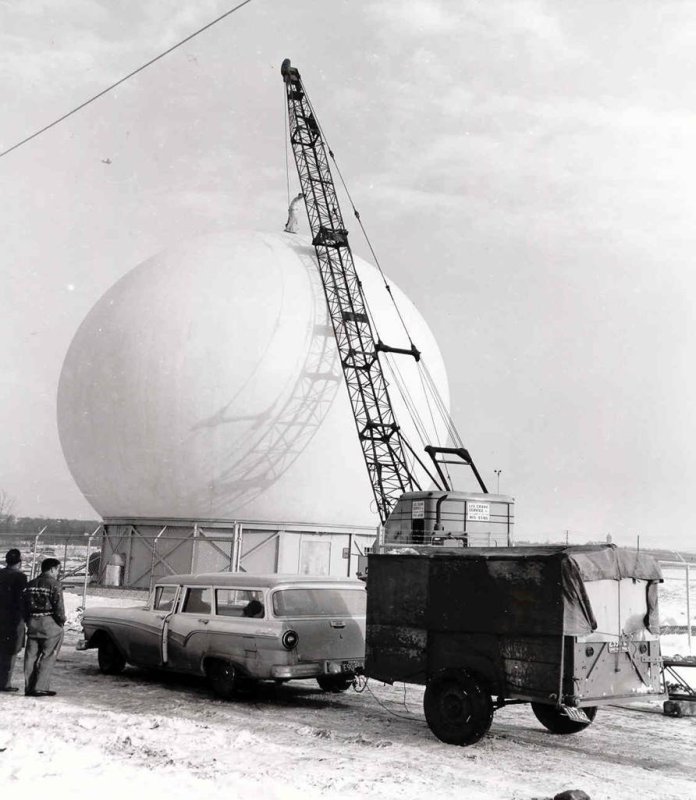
335,683
555,721
458,709
227,681
109,657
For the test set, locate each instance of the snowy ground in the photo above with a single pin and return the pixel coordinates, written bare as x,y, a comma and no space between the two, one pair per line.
157,736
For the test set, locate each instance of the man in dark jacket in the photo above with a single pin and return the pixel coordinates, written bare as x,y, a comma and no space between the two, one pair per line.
45,616
12,583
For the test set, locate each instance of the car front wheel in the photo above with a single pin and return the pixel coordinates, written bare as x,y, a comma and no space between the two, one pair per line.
109,657
554,720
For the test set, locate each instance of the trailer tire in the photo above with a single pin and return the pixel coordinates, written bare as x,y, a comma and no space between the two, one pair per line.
556,722
458,708
335,683
110,659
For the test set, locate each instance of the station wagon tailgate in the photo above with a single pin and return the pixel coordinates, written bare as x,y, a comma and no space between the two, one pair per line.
330,622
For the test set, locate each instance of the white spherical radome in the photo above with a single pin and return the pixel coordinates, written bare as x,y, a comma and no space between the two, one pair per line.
205,385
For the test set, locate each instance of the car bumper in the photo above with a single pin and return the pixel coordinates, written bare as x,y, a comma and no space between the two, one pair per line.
297,671
350,667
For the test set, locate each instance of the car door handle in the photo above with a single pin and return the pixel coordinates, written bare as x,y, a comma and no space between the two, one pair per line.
337,623
204,621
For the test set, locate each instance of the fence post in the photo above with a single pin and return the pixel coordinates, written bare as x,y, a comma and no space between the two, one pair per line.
89,536
194,548
237,539
688,598
688,608
36,547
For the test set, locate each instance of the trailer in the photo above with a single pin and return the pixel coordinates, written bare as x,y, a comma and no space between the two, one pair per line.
566,629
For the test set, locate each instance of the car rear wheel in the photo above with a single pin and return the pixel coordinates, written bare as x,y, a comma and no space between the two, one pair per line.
458,709
227,681
554,720
335,683
109,657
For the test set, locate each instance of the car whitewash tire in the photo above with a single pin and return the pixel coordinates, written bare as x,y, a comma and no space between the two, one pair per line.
458,709
554,720
110,659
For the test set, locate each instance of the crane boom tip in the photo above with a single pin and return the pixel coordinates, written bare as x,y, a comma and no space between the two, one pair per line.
288,71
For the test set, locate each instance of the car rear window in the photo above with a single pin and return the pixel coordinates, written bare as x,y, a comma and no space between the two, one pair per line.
319,602
234,602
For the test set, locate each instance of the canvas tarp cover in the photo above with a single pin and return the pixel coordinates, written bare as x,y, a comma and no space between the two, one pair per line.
582,563
605,563
517,590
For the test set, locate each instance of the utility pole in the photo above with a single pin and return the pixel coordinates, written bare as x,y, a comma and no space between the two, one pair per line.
567,532
497,472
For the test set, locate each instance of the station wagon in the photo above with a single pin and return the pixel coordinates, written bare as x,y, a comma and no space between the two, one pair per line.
237,628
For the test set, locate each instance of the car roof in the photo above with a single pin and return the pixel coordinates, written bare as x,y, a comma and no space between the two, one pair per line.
246,579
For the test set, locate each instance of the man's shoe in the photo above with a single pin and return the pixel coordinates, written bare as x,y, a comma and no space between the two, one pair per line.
9,689
29,693
45,693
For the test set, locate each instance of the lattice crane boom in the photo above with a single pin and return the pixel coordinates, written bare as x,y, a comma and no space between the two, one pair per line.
383,446
378,432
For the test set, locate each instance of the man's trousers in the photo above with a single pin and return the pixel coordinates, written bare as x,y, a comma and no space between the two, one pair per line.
7,662
39,657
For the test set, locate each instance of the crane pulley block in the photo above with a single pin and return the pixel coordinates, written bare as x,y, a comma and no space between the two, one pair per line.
290,74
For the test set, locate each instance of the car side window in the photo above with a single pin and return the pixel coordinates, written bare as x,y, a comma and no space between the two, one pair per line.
197,601
164,598
239,603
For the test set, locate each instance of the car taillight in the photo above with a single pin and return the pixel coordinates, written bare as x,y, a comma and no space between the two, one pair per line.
290,639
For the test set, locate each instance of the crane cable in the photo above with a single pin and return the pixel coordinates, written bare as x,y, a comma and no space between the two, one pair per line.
123,80
398,378
287,157
427,382
406,395
357,216
449,421
433,390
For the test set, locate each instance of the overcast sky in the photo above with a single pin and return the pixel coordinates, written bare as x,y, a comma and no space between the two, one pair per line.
525,171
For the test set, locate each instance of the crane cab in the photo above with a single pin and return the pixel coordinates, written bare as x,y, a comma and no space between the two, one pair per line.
450,519
425,521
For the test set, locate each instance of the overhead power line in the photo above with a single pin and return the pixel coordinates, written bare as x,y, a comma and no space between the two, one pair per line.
124,79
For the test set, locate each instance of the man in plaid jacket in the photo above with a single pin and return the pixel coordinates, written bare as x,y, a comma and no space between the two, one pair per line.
45,616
